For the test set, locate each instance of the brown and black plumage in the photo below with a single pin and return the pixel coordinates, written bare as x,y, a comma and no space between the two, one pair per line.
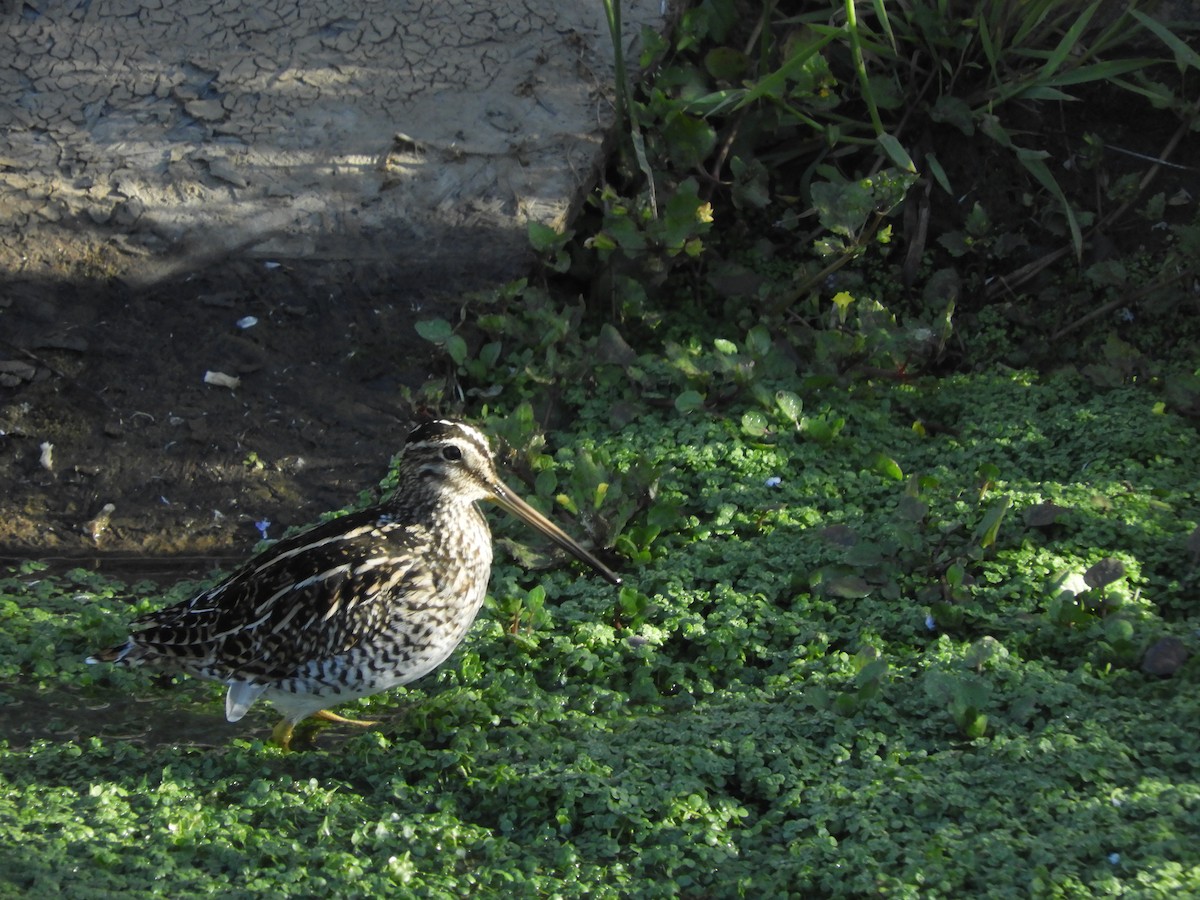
356,605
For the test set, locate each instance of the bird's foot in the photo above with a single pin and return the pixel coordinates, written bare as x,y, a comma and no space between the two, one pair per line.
328,716
285,731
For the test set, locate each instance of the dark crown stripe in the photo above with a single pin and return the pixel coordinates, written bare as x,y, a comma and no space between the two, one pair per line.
439,431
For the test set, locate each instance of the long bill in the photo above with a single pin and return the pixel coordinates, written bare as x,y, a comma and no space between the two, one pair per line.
510,502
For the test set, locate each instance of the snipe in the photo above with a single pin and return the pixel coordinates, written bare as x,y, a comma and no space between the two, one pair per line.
354,606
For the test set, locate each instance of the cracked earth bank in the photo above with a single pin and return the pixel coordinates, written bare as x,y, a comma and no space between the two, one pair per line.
170,167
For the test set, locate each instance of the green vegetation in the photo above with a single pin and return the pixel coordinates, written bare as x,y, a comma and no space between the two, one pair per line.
868,663
899,545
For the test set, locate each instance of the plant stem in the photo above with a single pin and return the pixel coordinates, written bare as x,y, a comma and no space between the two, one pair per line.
859,66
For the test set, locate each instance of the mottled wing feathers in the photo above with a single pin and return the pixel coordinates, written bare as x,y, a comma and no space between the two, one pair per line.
309,597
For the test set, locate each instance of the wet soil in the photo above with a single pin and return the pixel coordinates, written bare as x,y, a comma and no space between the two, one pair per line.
184,714
105,402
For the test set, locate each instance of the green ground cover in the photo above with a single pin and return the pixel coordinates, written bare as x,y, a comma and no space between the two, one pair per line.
874,360
859,678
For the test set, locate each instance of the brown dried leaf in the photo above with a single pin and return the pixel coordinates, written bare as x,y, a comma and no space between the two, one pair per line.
1104,572
1043,515
1164,657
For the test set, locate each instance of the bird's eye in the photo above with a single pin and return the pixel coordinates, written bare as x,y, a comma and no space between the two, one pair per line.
451,453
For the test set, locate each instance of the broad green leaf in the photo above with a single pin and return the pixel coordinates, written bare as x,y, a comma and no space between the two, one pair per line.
790,405
726,63
625,234
754,423
988,472
434,330
758,341
546,483
489,353
689,139
543,237
989,527
896,153
821,430
887,467
457,348
953,111
1117,630
973,723
843,207
955,574
847,587
688,401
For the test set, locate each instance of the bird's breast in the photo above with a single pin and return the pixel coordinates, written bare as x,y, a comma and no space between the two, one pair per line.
460,558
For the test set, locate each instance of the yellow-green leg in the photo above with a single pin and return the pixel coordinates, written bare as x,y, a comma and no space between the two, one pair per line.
283,732
327,716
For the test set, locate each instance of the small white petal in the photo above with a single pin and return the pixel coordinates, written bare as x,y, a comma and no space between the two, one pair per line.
221,379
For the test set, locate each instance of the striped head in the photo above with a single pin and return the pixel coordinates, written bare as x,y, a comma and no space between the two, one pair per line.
449,462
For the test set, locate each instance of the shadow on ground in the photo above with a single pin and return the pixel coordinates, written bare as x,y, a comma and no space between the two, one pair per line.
104,400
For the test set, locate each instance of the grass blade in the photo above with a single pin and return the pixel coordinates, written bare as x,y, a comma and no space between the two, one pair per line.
939,174
1069,42
861,67
1034,162
884,22
773,85
1185,56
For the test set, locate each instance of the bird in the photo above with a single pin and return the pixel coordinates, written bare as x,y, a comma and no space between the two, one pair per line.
356,605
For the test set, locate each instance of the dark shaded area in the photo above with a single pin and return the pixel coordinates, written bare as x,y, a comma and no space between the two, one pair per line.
188,713
113,377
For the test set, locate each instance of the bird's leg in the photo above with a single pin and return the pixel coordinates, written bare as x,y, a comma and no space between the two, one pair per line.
334,717
281,734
